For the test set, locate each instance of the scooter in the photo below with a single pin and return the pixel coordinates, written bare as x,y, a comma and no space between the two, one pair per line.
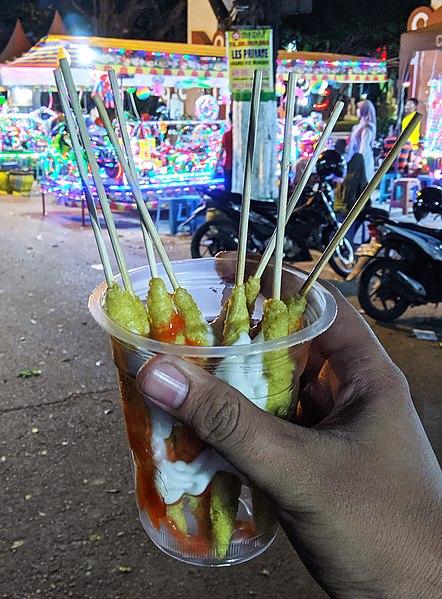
404,268
311,226
428,202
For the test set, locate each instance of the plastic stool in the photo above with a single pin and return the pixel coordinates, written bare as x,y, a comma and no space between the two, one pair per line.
425,180
404,192
386,187
179,210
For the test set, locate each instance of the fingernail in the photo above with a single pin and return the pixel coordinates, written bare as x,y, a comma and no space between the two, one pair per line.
163,384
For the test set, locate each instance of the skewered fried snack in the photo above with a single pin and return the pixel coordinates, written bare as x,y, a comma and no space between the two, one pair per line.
237,318
196,330
165,323
277,364
226,489
127,310
252,288
296,306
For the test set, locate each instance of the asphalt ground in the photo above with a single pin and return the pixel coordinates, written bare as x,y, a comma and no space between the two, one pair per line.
70,526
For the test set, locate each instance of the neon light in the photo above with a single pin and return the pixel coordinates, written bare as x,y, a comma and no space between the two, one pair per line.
433,137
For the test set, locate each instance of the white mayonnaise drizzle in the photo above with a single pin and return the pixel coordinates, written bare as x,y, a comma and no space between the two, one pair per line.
245,373
173,479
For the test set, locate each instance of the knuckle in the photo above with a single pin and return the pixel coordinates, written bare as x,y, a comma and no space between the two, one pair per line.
216,414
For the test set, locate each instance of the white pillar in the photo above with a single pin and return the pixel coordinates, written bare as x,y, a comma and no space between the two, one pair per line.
264,167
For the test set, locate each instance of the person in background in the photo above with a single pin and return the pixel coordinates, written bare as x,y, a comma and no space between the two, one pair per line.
418,163
363,136
348,191
226,150
402,162
341,146
410,110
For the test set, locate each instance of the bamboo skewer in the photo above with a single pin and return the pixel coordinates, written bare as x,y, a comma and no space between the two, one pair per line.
92,209
133,182
354,212
113,235
247,187
119,109
283,186
301,184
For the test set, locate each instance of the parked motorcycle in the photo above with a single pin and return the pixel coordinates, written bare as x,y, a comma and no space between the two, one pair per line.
403,268
311,226
428,201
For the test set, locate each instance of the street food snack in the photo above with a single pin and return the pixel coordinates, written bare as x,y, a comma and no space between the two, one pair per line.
127,310
194,505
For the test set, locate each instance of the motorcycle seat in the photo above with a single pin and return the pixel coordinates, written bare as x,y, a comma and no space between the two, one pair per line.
375,214
437,233
264,208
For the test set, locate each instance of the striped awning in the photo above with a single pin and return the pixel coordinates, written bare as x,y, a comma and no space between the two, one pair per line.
318,66
141,63
130,58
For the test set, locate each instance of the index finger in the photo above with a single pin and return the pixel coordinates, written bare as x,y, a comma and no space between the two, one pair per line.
352,349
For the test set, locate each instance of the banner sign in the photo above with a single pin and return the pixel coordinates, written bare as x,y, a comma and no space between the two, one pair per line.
250,50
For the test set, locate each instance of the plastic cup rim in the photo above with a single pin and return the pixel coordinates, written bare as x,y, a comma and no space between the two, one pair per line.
135,340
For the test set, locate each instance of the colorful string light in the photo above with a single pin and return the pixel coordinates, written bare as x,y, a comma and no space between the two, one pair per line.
433,138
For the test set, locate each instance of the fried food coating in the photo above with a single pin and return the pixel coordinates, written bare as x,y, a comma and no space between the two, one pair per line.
127,310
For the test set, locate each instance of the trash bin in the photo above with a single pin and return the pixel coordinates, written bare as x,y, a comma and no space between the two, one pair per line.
5,186
21,182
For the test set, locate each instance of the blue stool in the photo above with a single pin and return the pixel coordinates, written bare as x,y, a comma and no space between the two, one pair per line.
179,210
386,187
425,180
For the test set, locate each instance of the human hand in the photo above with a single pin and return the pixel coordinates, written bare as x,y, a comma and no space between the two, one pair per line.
358,493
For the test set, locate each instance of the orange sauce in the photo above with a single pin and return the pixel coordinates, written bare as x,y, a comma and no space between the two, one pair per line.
168,332
139,431
243,531
202,514
183,445
192,343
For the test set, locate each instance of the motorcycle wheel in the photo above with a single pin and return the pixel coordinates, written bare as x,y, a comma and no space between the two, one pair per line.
344,259
379,302
212,237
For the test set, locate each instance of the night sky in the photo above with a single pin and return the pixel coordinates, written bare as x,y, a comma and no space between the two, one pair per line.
342,26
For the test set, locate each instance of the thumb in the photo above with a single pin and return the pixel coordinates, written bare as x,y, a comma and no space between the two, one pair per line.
267,450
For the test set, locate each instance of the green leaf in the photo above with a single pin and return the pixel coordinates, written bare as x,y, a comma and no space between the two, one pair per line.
24,374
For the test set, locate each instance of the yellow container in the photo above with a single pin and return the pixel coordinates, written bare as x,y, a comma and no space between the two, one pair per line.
5,186
21,183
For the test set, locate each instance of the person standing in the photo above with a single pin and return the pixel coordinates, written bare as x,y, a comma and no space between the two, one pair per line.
404,158
226,150
410,110
363,136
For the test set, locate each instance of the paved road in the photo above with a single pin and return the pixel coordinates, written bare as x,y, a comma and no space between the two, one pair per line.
70,527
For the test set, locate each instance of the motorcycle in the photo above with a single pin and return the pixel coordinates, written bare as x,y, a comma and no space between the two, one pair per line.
310,227
428,201
403,268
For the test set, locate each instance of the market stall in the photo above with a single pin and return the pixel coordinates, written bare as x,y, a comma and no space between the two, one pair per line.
322,79
420,72
175,94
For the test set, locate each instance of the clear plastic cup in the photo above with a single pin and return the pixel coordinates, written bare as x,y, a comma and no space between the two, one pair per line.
194,505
